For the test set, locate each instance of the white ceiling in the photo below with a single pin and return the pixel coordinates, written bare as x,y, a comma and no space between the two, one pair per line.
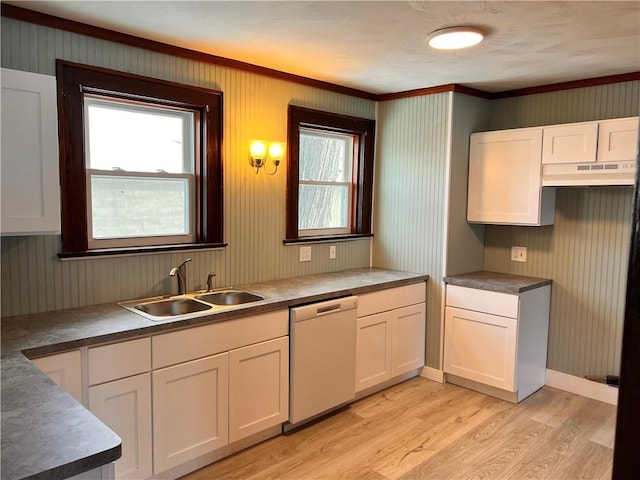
379,47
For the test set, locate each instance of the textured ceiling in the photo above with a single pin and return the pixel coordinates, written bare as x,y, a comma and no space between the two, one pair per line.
379,47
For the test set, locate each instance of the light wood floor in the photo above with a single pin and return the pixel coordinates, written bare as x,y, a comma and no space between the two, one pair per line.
424,430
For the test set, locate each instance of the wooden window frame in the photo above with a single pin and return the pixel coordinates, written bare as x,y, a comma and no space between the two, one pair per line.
73,81
364,132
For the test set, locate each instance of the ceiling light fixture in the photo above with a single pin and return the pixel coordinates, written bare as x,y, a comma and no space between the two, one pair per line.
453,38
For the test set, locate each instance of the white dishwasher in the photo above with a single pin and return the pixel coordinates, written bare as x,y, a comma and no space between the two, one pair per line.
323,357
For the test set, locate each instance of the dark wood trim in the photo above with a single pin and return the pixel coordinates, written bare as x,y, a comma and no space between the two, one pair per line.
105,252
25,15
327,239
589,82
626,461
452,87
293,173
365,130
75,79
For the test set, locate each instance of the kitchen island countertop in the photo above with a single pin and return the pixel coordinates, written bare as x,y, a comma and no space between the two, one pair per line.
46,434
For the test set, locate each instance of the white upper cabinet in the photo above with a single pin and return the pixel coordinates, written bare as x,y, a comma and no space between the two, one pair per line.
30,178
590,153
618,139
613,140
505,179
572,143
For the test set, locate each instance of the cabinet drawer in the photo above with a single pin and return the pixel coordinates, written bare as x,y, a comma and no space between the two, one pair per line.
198,342
384,300
119,360
485,301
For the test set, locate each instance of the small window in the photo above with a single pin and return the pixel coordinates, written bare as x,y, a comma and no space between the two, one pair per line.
325,183
141,163
329,176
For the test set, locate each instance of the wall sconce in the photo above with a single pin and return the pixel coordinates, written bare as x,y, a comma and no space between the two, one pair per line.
260,152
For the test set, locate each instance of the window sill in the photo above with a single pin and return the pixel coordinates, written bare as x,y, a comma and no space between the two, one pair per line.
119,252
327,239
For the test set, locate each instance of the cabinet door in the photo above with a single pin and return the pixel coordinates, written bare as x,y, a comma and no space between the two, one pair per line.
125,407
373,349
29,176
573,143
480,347
618,140
407,339
258,387
65,369
190,411
505,179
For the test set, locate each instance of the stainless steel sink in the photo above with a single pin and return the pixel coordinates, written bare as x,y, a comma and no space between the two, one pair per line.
189,305
230,297
172,307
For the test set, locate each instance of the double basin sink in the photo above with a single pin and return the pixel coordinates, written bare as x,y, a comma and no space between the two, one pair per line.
189,304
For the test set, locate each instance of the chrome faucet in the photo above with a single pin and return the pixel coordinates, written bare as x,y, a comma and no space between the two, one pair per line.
210,281
180,273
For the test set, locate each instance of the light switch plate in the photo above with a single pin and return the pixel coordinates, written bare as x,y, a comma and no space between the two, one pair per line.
518,254
332,252
305,254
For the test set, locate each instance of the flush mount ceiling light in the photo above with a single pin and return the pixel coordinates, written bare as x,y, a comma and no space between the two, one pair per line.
453,38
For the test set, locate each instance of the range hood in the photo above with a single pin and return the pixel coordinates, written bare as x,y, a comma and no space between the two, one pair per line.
589,174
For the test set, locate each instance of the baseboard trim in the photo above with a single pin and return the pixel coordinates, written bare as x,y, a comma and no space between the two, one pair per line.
432,374
581,386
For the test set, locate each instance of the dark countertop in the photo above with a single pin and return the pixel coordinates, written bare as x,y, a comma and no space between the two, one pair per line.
497,282
46,434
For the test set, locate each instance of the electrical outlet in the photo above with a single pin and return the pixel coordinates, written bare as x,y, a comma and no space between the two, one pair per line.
518,254
332,252
305,254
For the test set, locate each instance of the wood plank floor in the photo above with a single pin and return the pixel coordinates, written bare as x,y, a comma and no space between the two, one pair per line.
425,430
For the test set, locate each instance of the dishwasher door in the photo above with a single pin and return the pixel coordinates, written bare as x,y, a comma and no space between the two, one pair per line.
323,357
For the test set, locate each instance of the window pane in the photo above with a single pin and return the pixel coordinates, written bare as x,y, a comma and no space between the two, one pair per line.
323,206
123,207
138,138
325,157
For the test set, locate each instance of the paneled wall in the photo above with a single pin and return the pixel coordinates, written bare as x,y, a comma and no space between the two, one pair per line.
586,251
420,146
465,241
34,280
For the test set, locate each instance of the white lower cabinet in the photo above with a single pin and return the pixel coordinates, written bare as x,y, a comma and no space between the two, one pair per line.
119,394
407,339
65,369
190,410
101,473
125,407
373,350
481,347
390,338
214,385
495,342
258,387
203,389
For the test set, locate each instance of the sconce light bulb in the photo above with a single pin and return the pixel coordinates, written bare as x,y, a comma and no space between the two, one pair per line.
258,149
276,151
